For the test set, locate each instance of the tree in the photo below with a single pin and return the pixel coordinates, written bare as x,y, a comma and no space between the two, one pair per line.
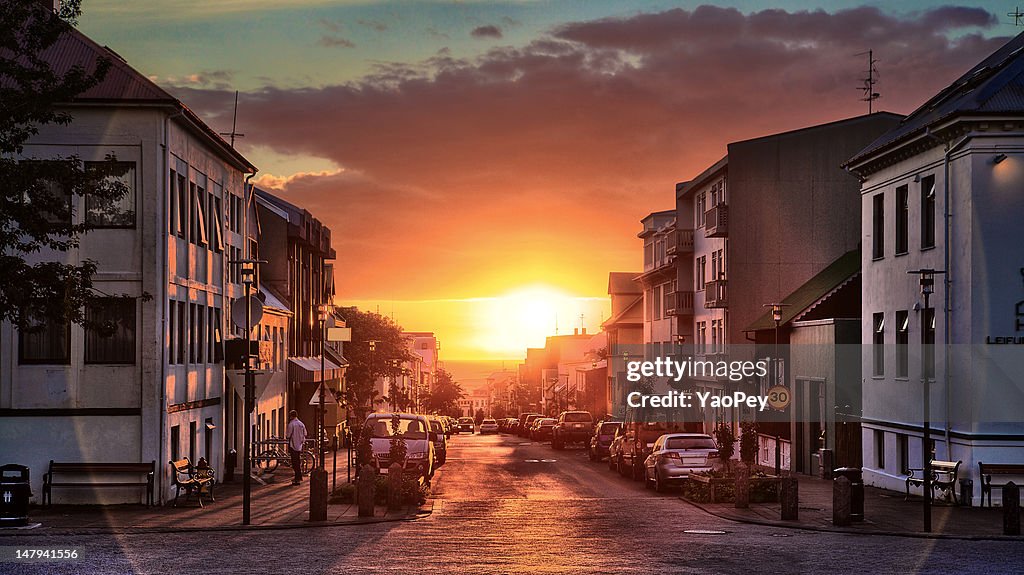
366,366
36,213
748,442
479,417
445,395
726,439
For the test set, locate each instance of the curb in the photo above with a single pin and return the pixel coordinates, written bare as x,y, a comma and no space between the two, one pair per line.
424,511
849,531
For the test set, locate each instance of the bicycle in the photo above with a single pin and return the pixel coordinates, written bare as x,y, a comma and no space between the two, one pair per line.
275,453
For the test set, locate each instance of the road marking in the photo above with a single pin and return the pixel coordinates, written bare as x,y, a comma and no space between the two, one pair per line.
704,532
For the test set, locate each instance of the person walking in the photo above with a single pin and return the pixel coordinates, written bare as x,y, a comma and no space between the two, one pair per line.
296,436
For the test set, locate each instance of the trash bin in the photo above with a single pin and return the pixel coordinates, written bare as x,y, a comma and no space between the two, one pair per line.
856,478
230,461
15,491
966,492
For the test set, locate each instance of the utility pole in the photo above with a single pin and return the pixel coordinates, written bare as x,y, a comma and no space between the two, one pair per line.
234,122
868,86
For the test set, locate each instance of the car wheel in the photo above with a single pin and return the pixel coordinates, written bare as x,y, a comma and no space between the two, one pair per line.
611,463
659,485
638,470
622,466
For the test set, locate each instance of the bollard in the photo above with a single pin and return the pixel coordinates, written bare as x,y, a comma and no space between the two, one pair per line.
365,487
318,495
742,488
395,486
790,499
841,502
1011,509
825,460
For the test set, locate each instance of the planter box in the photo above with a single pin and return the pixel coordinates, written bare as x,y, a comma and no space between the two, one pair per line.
704,489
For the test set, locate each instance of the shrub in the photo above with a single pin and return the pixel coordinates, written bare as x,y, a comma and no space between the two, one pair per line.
726,440
748,442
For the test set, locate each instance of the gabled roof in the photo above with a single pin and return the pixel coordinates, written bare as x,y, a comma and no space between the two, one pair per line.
993,87
623,283
621,317
814,291
123,83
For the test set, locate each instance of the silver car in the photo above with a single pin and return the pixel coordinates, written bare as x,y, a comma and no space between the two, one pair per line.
677,455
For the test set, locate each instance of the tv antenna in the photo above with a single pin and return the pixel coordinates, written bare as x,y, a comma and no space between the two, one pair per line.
1016,15
868,87
234,120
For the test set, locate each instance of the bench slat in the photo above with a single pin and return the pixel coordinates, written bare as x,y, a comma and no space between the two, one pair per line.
104,484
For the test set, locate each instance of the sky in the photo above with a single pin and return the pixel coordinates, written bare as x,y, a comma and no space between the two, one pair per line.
484,165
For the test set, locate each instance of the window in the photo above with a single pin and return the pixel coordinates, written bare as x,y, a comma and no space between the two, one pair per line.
172,331
181,191
902,218
648,304
702,337
107,213
702,208
200,333
172,204
902,343
903,452
200,215
929,343
879,449
215,225
175,443
49,197
714,336
110,331
657,301
182,331
878,344
192,442
47,342
878,227
648,253
928,212
700,265
193,340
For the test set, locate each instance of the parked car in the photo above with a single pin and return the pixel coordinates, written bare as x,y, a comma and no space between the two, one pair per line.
466,425
488,425
601,439
572,427
642,428
524,423
677,455
415,429
542,428
440,442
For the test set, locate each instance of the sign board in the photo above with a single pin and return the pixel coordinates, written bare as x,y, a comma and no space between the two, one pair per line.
779,397
260,380
329,398
339,334
238,312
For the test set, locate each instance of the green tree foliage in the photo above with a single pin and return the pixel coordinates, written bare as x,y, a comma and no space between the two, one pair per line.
36,194
365,366
445,395
748,442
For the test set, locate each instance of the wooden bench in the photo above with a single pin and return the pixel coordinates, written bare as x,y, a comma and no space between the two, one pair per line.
97,471
943,477
185,476
987,470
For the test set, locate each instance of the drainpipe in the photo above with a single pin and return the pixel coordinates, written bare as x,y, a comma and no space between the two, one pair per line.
161,477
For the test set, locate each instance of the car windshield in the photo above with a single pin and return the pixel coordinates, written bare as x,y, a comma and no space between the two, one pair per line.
489,421
548,421
576,417
690,443
465,420
435,425
608,428
407,428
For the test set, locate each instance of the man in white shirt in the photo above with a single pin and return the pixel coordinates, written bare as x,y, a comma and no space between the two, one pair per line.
296,436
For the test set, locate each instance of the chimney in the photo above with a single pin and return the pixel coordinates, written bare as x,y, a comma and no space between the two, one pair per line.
584,331
575,331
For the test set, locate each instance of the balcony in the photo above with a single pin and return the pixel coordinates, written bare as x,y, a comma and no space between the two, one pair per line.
681,243
716,222
679,303
715,294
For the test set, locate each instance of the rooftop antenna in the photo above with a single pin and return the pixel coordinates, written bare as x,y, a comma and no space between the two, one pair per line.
1016,15
234,121
556,323
581,323
868,88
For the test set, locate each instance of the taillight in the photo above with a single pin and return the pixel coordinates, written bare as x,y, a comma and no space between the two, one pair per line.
664,457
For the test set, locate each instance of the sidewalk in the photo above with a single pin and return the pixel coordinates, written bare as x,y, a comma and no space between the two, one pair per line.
885,512
278,504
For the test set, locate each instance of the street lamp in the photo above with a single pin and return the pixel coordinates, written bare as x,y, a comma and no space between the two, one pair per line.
926,279
777,318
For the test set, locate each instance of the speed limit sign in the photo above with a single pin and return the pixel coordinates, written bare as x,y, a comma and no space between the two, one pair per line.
779,397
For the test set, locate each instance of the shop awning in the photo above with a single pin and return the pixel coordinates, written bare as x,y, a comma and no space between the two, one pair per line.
308,369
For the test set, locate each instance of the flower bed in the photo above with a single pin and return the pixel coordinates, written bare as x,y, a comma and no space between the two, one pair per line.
708,489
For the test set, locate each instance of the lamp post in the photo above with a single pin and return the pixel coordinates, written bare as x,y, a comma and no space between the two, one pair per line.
777,318
926,279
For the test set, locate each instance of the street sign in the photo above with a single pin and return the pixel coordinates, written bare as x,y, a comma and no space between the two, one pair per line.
339,334
238,312
779,397
328,397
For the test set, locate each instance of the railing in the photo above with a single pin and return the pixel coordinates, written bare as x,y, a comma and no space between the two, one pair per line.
716,222
680,242
679,303
715,294
766,448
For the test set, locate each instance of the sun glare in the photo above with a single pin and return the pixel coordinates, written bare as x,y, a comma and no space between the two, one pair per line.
525,316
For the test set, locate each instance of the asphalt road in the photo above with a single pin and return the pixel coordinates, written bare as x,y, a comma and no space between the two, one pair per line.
506,505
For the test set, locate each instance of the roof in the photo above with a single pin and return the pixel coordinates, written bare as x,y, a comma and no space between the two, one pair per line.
994,87
701,178
623,283
814,291
620,317
123,83
273,301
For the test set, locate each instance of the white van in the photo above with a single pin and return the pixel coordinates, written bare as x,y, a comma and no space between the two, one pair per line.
415,429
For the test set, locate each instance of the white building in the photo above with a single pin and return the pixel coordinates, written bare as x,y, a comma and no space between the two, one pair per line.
943,191
151,388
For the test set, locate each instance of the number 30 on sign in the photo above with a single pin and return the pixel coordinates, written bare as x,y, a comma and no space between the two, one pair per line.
779,397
